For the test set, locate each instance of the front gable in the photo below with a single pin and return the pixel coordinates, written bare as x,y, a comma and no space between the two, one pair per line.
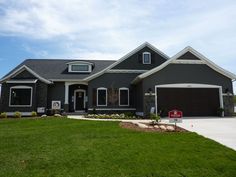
135,61
131,62
24,74
182,58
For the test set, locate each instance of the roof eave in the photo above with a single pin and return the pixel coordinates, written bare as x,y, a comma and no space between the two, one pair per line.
22,68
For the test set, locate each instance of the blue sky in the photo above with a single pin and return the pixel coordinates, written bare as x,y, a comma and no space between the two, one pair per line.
110,29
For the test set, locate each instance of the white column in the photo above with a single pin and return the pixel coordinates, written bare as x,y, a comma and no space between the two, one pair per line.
66,93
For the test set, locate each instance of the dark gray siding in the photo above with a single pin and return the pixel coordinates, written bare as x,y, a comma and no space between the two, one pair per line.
41,94
39,98
56,92
188,56
187,73
135,61
5,99
139,97
111,80
24,75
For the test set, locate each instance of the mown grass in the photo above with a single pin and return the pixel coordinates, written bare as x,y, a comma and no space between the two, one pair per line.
64,147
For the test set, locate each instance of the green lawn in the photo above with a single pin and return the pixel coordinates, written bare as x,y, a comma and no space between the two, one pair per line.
63,147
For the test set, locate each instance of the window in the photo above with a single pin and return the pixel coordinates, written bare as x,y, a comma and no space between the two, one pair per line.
101,97
80,68
123,97
20,96
146,58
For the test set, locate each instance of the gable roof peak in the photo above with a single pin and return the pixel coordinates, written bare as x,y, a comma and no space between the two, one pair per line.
183,51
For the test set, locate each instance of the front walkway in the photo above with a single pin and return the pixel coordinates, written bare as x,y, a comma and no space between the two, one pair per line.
222,130
117,120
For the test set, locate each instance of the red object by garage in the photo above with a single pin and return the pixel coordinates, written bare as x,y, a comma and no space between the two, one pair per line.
175,114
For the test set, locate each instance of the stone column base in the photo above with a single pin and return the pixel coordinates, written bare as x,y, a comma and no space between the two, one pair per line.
66,107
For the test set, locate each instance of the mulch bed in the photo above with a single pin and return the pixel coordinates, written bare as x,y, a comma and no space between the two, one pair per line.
132,126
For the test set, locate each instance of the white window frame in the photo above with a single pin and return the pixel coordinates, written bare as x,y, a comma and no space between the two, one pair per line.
150,61
124,88
71,71
101,88
21,87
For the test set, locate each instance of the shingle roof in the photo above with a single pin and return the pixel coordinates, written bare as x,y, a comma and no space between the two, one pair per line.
58,68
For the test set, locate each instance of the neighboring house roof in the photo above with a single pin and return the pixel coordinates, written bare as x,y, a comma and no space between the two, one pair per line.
48,70
146,44
203,60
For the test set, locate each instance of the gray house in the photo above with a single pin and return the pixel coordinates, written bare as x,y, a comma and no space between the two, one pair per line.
145,79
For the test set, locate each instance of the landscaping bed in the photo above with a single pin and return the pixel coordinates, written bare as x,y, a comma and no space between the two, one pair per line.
112,116
152,128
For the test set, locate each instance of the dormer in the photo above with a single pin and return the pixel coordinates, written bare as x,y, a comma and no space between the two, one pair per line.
80,67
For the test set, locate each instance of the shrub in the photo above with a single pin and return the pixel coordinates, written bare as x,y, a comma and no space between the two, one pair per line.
94,111
129,114
17,114
220,111
34,114
155,117
3,115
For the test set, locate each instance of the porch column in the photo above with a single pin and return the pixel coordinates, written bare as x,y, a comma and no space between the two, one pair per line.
66,104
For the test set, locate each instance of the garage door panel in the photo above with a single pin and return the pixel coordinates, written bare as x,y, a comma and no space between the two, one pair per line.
192,101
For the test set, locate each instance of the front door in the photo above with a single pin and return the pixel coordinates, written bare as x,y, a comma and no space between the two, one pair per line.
79,100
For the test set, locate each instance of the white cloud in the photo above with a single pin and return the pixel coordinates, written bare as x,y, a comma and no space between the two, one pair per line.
109,29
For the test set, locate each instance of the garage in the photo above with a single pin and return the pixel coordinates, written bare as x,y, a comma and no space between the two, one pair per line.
193,101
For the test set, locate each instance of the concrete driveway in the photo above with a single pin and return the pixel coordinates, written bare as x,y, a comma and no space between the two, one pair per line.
222,130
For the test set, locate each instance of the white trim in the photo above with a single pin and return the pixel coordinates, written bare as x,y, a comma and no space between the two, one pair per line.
21,69
22,81
79,90
21,87
101,88
175,57
226,94
67,80
146,44
187,85
190,85
149,94
74,83
123,88
88,71
150,58
22,113
67,84
79,62
125,71
111,109
199,62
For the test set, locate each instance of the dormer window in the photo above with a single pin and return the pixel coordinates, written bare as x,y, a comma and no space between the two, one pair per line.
79,67
146,58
